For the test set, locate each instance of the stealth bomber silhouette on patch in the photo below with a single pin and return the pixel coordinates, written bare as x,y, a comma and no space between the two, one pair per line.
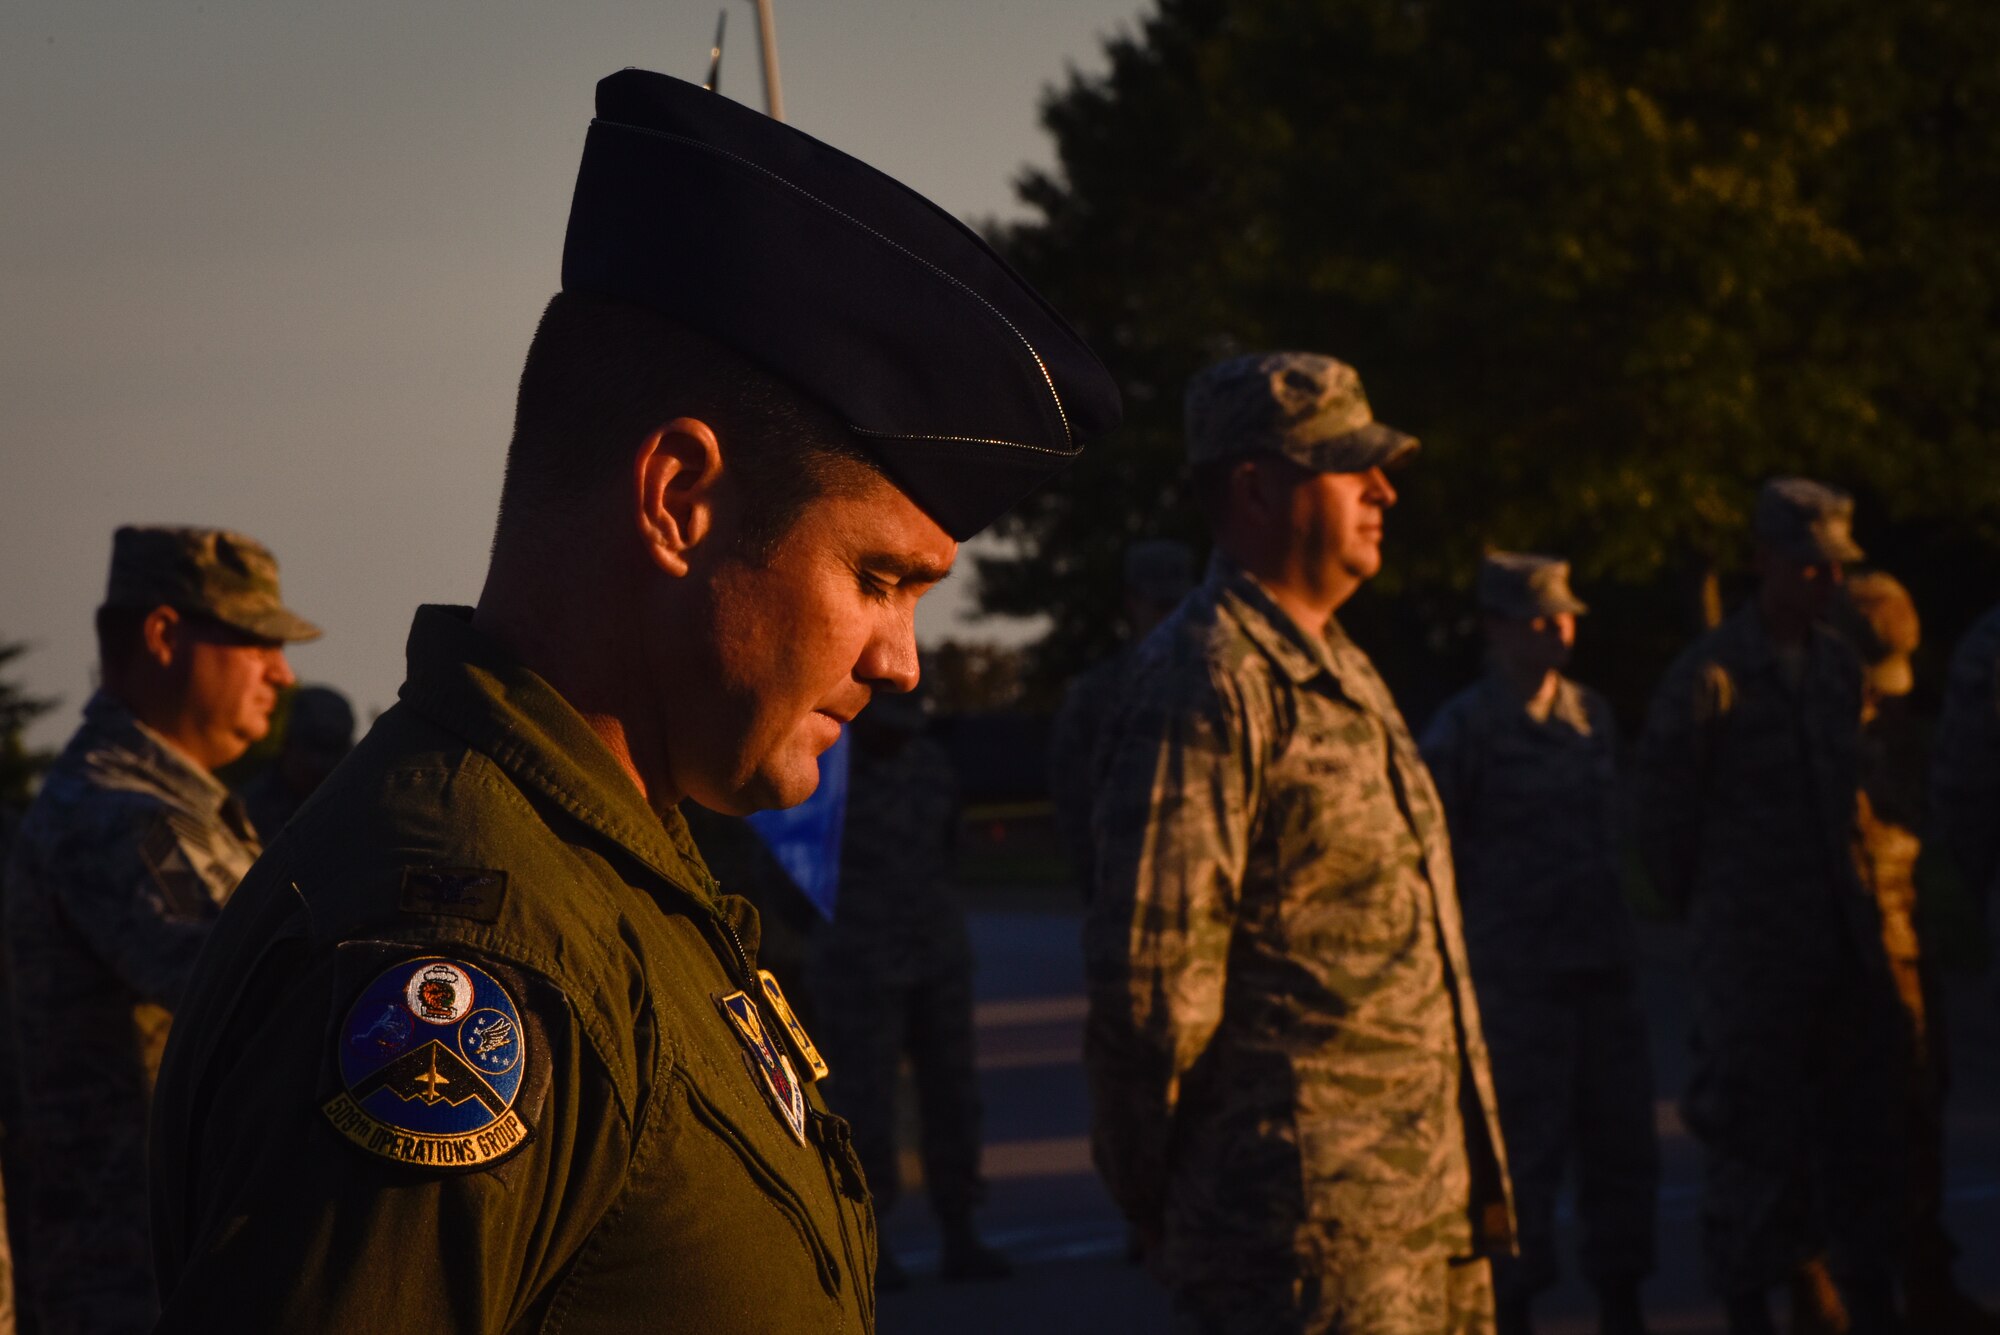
431,1059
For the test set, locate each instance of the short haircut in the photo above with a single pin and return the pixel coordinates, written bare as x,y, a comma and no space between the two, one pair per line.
603,374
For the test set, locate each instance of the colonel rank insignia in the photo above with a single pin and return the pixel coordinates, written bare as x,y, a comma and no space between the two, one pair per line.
771,1068
431,1057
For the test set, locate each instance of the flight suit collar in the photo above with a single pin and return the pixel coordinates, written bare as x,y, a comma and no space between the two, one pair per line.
471,685
120,751
1301,657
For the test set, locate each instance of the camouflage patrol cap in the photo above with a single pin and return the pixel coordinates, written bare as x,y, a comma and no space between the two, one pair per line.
1808,520
221,574
1876,615
1304,406
1523,586
1159,569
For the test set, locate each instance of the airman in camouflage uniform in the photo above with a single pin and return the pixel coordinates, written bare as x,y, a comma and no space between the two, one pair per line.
116,876
1525,762
1292,1102
1158,574
1877,616
893,976
1965,771
1748,775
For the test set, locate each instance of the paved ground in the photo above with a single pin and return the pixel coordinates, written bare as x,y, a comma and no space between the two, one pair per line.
1048,1213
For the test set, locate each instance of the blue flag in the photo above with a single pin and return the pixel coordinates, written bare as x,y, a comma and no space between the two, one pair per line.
806,838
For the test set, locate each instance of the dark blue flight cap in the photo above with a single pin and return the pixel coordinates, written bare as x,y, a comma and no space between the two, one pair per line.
960,380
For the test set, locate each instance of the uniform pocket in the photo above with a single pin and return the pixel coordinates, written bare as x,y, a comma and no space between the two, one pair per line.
778,1191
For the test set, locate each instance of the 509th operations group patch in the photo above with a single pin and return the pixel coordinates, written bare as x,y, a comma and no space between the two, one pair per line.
431,1057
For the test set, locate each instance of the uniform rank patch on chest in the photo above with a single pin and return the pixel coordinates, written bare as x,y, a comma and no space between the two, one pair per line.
460,892
431,1058
771,1068
800,1038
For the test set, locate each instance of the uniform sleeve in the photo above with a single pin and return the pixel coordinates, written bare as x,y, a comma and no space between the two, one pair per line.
1670,769
295,1227
1443,747
1172,831
132,893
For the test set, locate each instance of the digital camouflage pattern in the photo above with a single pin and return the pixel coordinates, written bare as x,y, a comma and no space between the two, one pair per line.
1965,767
1534,812
114,882
1304,406
893,974
1746,787
226,575
1289,1076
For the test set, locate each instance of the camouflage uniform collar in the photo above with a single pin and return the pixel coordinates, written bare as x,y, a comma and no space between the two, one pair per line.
473,687
1300,656
118,751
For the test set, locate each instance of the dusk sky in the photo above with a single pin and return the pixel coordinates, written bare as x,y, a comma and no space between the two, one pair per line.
273,266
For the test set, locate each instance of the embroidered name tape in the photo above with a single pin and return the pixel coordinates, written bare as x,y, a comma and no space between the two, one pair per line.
431,1059
771,1068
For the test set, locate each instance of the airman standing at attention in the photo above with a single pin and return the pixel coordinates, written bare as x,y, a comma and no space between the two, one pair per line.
1876,615
1292,1103
1526,764
1747,779
480,1046
892,975
1158,574
113,886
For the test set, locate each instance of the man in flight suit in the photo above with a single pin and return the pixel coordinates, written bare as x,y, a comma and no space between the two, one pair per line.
480,1046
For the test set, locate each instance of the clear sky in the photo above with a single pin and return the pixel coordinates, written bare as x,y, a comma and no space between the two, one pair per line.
272,265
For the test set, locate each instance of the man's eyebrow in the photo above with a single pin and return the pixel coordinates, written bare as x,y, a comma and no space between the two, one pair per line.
906,568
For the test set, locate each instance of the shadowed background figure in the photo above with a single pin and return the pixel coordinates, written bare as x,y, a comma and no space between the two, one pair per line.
1525,762
1876,615
1158,574
1747,776
318,735
892,977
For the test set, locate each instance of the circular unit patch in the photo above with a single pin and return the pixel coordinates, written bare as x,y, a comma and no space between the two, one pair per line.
431,1059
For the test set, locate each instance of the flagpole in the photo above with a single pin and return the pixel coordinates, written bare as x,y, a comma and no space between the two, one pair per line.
767,38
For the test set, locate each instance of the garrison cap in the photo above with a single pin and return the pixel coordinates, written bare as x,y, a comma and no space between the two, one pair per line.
1159,569
221,574
1304,406
1805,519
966,386
1876,615
1522,586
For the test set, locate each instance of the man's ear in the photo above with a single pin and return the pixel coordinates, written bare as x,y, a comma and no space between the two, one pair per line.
678,470
160,635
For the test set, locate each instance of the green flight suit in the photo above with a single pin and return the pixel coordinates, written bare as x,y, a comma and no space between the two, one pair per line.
659,1186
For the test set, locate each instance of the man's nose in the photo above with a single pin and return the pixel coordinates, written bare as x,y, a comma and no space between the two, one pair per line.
278,670
889,661
1380,488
